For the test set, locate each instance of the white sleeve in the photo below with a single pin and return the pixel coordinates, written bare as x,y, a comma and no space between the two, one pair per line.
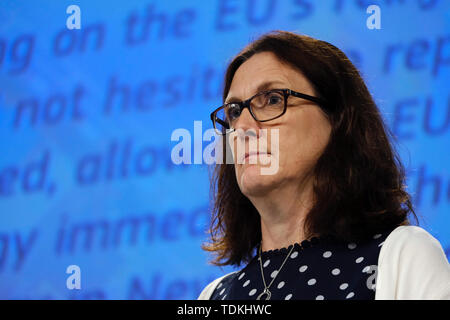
412,266
209,289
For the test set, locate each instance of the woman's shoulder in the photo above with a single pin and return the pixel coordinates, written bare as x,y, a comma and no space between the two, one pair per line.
409,237
412,265
209,289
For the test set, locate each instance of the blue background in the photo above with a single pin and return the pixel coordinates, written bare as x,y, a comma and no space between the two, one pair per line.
86,118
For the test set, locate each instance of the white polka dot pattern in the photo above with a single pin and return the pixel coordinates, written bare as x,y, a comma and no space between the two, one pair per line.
335,271
326,272
343,286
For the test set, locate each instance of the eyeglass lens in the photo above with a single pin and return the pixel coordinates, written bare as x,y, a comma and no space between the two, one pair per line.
264,106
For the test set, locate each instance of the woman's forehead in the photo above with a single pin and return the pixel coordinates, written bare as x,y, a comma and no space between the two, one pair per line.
262,64
258,86
245,85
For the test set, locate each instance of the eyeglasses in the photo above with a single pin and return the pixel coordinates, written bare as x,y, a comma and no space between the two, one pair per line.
267,105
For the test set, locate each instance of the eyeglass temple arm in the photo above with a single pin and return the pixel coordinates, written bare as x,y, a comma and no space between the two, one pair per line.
320,101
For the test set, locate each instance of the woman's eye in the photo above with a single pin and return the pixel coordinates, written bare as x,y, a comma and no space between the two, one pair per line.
274,99
234,111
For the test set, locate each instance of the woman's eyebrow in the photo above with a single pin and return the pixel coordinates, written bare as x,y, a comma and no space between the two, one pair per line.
263,86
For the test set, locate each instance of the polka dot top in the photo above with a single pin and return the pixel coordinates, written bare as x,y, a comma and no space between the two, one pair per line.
317,269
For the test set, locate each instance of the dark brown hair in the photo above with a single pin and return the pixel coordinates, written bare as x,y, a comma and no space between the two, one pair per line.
359,179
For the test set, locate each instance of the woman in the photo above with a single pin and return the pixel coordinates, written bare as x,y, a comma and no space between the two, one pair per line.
332,221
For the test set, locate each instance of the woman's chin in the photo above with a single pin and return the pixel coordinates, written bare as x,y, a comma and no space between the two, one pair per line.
252,182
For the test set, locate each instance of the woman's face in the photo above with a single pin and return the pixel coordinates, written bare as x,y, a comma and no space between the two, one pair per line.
303,131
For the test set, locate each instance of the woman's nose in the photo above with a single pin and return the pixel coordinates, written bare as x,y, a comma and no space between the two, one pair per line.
246,124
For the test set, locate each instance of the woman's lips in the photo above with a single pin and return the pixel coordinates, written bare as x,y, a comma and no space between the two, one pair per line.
253,153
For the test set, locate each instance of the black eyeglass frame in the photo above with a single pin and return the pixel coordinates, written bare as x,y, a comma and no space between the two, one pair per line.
246,104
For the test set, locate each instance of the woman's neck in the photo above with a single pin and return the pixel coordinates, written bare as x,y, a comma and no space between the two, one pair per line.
282,216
